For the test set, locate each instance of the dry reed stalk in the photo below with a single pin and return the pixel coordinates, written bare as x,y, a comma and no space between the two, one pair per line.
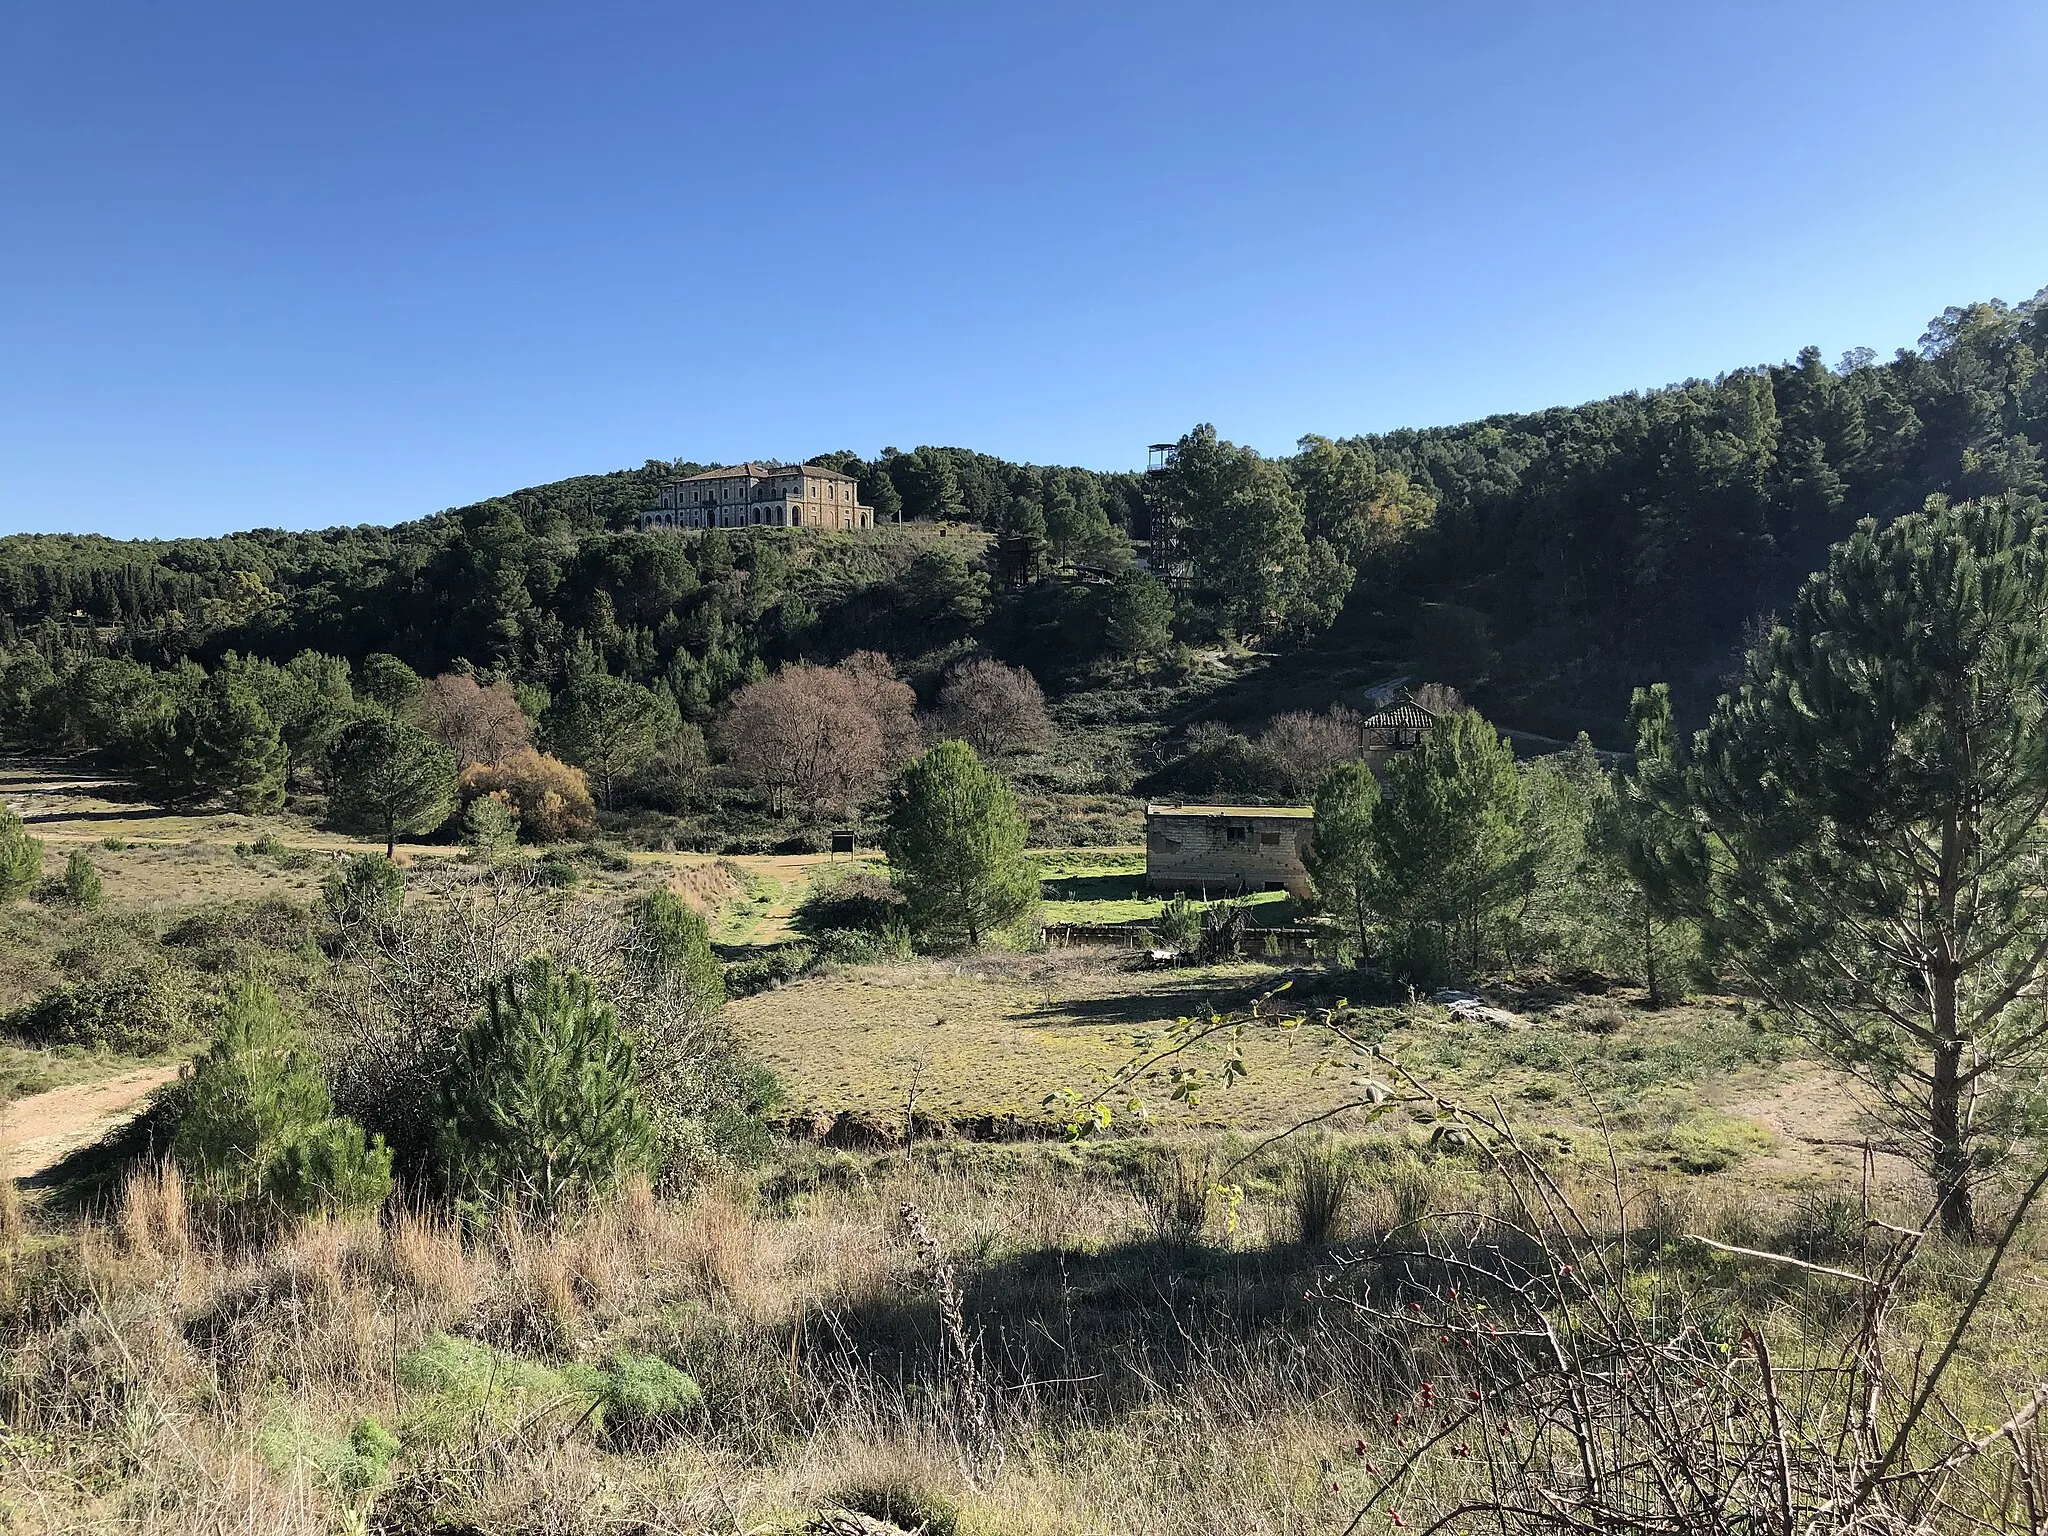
152,1214
722,1243
535,1307
425,1257
13,1216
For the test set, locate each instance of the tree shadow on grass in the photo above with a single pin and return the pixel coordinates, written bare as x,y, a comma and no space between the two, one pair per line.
1123,887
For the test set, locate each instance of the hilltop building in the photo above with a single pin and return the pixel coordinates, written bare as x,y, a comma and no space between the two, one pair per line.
1227,850
761,496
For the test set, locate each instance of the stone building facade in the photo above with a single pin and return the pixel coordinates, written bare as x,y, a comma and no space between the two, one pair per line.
761,496
1227,850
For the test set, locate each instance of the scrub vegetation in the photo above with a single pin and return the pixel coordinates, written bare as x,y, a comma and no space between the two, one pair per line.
460,1080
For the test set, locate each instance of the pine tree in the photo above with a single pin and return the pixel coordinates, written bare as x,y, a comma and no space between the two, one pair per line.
608,726
1138,614
21,857
257,1127
1339,860
82,886
540,1101
1449,845
672,944
388,776
1863,821
956,847
221,743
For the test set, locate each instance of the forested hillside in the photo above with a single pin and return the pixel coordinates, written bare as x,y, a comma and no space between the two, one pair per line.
1546,562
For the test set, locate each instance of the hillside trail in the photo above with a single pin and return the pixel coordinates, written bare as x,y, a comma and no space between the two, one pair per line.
40,1131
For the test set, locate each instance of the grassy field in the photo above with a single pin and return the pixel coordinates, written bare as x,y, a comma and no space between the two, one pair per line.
991,1331
1107,885
977,1044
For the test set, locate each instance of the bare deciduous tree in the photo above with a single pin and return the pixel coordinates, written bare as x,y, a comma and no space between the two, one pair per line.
1311,744
820,738
479,723
993,708
1439,699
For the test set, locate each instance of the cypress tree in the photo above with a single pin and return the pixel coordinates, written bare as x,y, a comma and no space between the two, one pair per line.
1339,860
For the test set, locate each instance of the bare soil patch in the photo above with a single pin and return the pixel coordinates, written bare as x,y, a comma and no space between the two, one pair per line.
40,1131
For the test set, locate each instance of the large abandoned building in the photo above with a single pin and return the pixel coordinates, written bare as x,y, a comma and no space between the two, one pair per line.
1227,850
761,496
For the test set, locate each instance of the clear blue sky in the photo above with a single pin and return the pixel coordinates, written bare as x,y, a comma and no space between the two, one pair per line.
308,263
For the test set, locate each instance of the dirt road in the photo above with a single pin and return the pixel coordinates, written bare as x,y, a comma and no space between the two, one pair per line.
40,1131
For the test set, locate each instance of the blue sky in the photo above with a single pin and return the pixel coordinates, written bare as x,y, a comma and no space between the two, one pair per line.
305,264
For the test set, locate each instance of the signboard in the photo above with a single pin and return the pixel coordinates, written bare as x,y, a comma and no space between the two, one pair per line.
842,842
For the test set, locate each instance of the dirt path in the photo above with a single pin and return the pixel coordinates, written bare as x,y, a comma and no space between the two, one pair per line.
40,1131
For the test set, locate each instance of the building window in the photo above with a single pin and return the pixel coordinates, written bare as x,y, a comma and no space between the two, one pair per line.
1233,834
1270,839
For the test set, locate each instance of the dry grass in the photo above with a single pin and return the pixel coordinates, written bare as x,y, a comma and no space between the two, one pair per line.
163,1381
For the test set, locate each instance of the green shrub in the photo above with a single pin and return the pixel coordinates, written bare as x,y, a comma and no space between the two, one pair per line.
365,886
459,1381
21,857
672,944
135,1012
642,1399
490,828
540,1103
605,857
81,881
271,846
904,1500
857,902
114,844
557,870
852,946
630,1398
769,968
257,1128
354,1468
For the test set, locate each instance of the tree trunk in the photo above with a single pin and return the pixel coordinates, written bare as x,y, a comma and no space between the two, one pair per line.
1656,994
391,837
1945,1098
1945,1116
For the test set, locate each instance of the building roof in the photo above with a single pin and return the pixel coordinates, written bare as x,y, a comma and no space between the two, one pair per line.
1249,812
1407,716
753,471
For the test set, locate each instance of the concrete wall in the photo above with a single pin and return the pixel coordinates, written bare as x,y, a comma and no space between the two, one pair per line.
1226,854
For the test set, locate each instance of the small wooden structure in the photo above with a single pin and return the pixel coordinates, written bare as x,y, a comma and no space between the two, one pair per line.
1395,728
